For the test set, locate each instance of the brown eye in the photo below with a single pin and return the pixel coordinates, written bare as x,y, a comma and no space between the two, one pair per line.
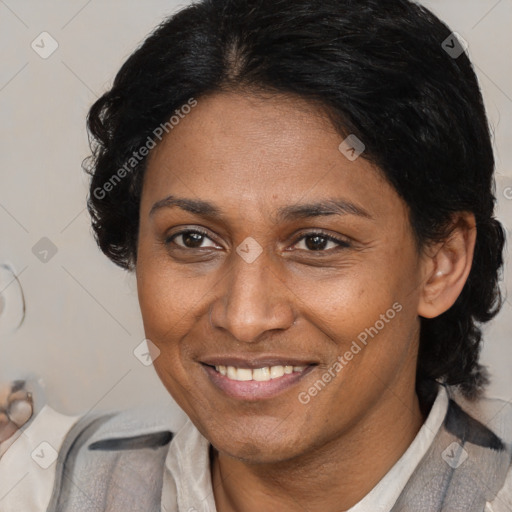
190,239
320,242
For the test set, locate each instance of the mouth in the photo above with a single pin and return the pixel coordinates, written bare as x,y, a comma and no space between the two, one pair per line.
255,380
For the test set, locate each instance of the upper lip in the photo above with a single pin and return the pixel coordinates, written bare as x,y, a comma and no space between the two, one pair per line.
255,362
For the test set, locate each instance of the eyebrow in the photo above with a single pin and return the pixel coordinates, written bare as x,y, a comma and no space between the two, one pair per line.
332,206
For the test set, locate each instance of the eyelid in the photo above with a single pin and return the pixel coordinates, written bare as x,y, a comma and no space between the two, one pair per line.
170,238
343,243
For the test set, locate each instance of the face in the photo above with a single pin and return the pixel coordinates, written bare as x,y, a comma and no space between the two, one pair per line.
266,254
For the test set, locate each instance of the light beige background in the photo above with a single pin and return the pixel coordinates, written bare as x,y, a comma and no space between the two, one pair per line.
82,320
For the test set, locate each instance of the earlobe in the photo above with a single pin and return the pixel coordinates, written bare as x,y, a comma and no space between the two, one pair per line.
448,268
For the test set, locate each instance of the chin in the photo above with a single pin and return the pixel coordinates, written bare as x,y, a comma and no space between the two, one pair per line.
257,443
254,452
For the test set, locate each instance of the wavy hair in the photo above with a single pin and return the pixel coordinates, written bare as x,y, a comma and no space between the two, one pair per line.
382,71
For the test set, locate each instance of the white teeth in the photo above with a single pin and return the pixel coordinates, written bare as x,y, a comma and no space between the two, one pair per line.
276,371
243,374
231,372
259,374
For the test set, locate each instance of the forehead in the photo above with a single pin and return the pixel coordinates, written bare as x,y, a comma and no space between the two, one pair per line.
234,127
251,151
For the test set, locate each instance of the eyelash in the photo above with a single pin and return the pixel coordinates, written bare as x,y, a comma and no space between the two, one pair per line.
342,244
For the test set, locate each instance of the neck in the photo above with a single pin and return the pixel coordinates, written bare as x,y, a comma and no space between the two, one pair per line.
331,477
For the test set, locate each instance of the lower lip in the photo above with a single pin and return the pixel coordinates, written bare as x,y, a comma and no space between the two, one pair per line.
254,390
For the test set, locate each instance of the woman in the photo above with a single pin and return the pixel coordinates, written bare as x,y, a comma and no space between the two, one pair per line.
304,191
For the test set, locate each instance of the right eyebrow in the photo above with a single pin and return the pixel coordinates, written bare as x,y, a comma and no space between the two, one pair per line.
196,206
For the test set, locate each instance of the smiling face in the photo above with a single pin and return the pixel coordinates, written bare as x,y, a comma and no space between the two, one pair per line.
261,246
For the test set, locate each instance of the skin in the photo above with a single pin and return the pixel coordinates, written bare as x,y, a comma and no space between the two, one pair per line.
250,156
15,410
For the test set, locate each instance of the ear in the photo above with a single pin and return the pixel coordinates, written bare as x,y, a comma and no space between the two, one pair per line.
446,267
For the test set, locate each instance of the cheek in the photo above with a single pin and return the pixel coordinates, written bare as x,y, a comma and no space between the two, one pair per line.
165,299
346,302
174,309
368,315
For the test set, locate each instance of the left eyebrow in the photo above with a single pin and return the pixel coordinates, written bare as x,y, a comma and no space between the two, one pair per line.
332,206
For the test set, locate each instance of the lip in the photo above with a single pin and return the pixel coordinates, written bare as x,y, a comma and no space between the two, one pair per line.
252,390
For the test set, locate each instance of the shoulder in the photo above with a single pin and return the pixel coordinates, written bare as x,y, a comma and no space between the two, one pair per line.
503,500
496,416
132,429
122,426
117,456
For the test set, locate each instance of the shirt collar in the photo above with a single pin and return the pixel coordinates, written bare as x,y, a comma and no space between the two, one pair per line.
187,477
136,421
384,495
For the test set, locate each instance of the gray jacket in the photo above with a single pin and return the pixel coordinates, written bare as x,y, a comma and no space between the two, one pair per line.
107,465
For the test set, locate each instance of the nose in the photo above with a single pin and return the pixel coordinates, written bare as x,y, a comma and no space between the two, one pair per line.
253,300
